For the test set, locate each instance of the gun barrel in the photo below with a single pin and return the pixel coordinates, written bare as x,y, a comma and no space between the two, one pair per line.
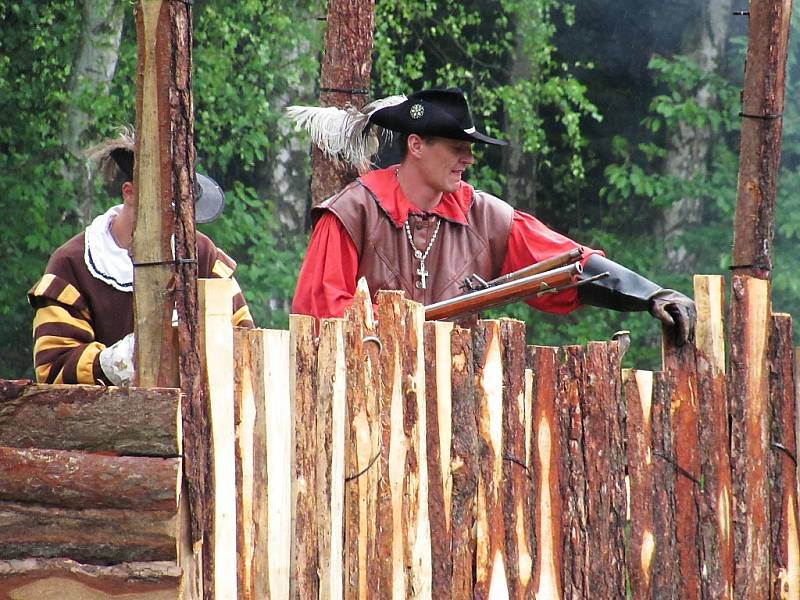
548,264
497,295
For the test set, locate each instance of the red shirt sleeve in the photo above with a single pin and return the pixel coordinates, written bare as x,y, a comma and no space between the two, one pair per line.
327,280
531,241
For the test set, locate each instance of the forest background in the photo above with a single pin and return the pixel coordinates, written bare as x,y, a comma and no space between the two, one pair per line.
622,117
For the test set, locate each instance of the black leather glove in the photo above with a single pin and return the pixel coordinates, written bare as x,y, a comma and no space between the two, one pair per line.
677,312
624,290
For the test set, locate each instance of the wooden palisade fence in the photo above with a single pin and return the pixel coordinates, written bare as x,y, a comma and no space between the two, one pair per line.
405,459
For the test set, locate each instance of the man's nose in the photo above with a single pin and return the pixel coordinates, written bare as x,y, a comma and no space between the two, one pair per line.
467,157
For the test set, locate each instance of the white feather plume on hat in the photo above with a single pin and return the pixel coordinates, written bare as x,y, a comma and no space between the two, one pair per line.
343,133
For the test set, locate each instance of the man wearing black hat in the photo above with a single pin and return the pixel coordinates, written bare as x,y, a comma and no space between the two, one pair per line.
418,227
83,326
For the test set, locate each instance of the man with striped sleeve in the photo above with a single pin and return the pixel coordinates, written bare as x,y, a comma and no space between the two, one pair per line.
83,325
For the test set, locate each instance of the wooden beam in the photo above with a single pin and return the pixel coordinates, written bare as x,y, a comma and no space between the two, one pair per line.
638,388
517,506
216,336
303,582
715,509
748,393
464,463
438,402
39,579
760,148
784,535
126,421
331,421
102,536
680,370
491,559
362,449
546,449
78,480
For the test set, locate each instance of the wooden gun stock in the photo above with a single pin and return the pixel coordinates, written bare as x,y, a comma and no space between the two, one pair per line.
497,295
543,266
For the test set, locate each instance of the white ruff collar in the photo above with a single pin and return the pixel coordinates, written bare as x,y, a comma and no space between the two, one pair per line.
105,260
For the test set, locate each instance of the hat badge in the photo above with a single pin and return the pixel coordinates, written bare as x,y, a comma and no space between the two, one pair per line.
416,111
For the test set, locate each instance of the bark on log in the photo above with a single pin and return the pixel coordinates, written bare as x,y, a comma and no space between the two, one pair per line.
680,370
331,423
748,391
154,289
603,414
545,454
638,387
517,510
127,421
715,507
760,148
490,556
78,480
39,579
101,536
344,79
304,582
572,476
785,567
666,562
438,385
463,464
362,449
246,365
216,338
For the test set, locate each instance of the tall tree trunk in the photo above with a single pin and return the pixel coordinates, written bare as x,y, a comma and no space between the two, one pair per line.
689,146
94,66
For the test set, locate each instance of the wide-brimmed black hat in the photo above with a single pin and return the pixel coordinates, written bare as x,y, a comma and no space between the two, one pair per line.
441,113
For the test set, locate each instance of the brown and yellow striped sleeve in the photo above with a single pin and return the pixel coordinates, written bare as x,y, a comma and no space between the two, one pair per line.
64,345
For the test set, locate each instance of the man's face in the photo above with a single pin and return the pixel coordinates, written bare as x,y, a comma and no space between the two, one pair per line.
443,162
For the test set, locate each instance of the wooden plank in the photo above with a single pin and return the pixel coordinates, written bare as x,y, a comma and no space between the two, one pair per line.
517,509
78,480
463,463
438,385
603,414
638,388
490,556
331,420
418,547
715,507
784,551
362,449
666,562
391,511
102,536
153,296
275,499
304,581
748,391
680,369
216,338
247,368
544,463
43,579
126,421
574,532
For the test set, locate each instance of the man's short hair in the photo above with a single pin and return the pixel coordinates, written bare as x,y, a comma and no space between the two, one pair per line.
114,160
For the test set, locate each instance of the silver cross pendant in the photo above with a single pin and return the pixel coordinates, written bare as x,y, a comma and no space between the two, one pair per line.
423,274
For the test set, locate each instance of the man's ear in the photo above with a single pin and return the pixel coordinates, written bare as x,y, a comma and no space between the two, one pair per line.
127,192
414,145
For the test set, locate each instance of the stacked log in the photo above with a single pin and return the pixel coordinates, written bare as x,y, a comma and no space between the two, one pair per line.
90,481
